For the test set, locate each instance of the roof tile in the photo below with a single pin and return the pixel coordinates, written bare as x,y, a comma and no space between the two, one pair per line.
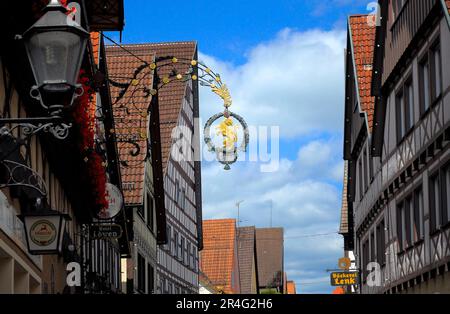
128,111
130,124
217,256
363,39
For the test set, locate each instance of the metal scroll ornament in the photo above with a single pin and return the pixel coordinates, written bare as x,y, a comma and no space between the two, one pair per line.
227,154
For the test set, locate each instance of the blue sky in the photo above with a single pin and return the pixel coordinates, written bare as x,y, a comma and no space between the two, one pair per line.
284,63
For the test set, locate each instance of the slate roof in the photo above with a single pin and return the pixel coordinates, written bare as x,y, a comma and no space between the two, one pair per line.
218,254
270,256
363,44
170,103
246,257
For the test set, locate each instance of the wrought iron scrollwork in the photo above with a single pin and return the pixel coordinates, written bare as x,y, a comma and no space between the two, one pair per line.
17,174
196,71
59,131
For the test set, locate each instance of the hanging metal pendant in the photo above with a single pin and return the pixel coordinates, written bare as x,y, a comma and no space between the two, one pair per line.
228,153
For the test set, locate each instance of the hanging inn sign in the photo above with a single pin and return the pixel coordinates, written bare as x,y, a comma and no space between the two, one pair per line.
104,227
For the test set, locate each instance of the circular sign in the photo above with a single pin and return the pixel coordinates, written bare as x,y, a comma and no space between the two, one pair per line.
115,202
43,233
344,263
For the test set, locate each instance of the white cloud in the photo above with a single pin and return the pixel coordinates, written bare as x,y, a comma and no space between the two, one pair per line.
294,81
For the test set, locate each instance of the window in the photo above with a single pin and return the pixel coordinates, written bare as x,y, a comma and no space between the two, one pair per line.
175,243
435,203
400,114
424,75
180,250
405,223
405,109
446,198
430,77
169,238
141,273
151,279
418,230
187,254
440,198
371,174
177,191
150,212
361,182
435,57
365,161
372,247
365,259
381,255
182,201
409,105
191,256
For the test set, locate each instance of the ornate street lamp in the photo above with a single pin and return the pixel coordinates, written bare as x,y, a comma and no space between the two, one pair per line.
44,231
55,45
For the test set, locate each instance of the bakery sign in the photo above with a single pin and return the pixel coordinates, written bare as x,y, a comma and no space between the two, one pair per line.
344,278
44,231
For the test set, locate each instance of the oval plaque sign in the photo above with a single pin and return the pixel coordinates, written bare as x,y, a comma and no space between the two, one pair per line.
43,233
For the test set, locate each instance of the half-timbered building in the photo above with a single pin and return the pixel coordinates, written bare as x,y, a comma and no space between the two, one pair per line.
177,253
67,176
399,193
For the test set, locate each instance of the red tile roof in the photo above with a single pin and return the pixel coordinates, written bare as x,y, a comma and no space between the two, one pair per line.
170,96
95,41
131,120
363,41
217,259
122,64
291,288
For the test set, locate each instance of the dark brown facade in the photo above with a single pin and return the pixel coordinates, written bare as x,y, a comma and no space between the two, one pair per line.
270,258
248,266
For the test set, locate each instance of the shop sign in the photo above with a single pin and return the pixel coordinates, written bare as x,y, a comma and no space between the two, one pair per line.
105,231
343,279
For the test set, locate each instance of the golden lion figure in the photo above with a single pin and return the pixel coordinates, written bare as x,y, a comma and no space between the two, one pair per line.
229,132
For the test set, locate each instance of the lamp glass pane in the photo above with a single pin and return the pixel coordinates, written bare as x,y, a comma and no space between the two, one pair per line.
55,56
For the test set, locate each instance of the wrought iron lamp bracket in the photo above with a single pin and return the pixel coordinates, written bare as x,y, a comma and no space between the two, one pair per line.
197,71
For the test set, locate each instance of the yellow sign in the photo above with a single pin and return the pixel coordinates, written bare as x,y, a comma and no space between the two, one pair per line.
339,279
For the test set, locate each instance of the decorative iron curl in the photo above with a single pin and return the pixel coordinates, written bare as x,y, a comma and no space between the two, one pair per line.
59,131
14,173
